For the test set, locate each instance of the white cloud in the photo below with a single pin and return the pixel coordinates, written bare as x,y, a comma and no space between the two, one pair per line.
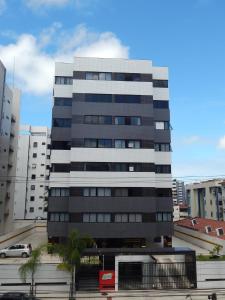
221,143
2,6
34,63
34,4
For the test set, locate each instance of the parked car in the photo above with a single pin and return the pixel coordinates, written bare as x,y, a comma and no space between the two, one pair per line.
17,296
23,250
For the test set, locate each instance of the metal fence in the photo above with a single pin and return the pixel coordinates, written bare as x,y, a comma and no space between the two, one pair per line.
178,275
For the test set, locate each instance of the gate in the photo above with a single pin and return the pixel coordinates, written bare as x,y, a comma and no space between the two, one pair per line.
140,276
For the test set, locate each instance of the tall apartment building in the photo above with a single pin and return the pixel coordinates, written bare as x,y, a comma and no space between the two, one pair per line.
178,192
9,122
110,159
33,161
206,199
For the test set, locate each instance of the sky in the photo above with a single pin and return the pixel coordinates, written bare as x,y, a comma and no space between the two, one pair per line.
185,35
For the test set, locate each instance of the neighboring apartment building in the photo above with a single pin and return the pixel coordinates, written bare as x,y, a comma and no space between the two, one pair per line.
110,159
180,212
33,161
206,199
9,122
178,192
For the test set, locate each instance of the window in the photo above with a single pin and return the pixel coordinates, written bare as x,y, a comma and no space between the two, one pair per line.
160,83
98,98
104,192
43,143
42,154
162,125
163,169
34,166
99,218
160,104
98,76
61,122
90,143
59,217
32,198
127,77
98,120
32,187
164,217
35,144
31,209
63,80
219,231
34,155
127,98
104,143
135,218
162,147
133,144
33,176
121,192
63,102
120,144
59,192
121,218
127,121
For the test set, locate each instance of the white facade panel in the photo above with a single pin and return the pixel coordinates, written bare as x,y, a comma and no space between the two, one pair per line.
112,155
63,90
59,180
161,94
160,73
117,179
64,69
162,158
112,65
60,156
113,87
163,180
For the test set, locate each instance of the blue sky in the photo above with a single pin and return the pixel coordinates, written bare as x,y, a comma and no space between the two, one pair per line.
185,35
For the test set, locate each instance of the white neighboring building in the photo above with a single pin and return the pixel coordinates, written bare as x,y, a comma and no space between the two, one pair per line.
9,124
33,159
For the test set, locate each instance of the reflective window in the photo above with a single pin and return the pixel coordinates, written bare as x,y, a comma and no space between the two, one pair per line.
63,80
61,122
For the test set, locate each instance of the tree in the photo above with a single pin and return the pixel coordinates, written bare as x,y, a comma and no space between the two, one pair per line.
29,268
71,252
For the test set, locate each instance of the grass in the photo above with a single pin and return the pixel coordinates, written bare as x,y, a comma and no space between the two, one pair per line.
202,257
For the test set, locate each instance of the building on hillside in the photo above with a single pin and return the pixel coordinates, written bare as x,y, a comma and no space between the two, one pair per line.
206,199
9,122
33,164
178,192
110,159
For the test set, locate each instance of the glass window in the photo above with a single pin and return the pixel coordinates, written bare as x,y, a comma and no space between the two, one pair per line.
101,192
119,120
92,218
100,218
35,144
108,192
133,144
32,187
159,125
120,144
86,192
132,218
104,143
86,218
124,218
135,120
91,143
98,98
121,192
108,76
92,192
88,76
138,218
159,217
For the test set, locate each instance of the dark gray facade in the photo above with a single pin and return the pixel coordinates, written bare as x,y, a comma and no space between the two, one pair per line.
139,213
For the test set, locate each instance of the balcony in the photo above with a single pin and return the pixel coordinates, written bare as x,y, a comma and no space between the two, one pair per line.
13,118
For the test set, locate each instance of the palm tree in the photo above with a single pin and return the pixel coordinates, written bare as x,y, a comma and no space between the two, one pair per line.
29,268
71,252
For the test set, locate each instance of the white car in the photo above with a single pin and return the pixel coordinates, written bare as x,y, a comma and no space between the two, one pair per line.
22,250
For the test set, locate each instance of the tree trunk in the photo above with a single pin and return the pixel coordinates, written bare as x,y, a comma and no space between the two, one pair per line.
73,285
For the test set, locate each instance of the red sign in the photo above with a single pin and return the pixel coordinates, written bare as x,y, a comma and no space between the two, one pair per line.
107,280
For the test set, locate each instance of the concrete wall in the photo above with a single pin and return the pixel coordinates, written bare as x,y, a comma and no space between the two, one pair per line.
211,274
